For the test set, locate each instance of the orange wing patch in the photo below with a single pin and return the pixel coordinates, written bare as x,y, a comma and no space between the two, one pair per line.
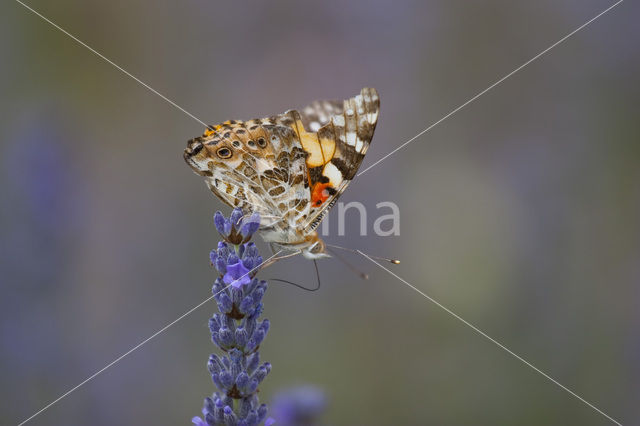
320,149
320,193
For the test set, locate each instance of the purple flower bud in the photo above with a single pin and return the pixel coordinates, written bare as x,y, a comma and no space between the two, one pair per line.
219,221
242,380
217,286
265,326
236,356
223,249
257,295
216,339
252,386
241,336
251,250
262,372
213,325
250,346
197,421
218,413
252,362
219,402
216,380
250,226
252,417
224,303
210,419
250,325
246,305
236,365
230,417
214,365
236,295
235,217
245,407
226,336
226,379
208,404
225,362
227,228
248,262
221,265
258,336
262,412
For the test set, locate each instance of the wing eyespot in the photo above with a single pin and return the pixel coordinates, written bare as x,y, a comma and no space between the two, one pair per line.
224,153
236,143
251,143
262,143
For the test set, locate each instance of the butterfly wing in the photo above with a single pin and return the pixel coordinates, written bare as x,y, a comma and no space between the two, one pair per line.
336,148
257,165
290,168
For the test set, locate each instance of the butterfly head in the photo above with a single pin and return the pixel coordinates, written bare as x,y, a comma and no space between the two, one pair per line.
316,249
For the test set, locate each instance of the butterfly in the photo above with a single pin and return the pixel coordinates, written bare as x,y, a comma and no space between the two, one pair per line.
290,168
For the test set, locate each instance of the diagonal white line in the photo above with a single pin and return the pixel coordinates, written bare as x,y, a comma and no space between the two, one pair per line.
115,361
491,339
114,64
492,86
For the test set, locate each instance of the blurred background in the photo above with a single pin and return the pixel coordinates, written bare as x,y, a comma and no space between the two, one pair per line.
520,212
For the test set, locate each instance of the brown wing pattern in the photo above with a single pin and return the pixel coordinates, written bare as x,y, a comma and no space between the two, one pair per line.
291,168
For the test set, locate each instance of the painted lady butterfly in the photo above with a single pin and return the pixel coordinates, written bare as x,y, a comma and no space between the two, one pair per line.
291,168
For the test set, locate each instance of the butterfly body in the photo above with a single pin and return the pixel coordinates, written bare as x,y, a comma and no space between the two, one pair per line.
291,168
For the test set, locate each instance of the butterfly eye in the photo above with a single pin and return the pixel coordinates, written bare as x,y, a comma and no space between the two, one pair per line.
262,143
235,143
224,153
251,143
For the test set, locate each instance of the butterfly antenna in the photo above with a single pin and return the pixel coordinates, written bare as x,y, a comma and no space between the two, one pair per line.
394,261
301,286
361,274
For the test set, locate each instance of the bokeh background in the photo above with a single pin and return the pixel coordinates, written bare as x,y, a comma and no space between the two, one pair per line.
520,212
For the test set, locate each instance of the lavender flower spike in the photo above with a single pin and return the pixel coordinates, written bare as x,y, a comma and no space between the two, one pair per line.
237,330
